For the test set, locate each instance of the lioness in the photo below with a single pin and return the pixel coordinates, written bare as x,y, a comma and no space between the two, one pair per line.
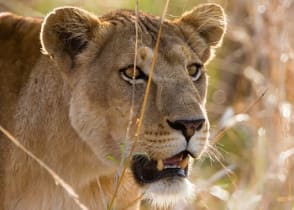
70,104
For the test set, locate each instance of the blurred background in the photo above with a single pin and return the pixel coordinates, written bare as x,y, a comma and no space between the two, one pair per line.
250,165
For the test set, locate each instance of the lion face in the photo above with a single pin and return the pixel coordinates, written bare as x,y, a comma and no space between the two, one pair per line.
96,56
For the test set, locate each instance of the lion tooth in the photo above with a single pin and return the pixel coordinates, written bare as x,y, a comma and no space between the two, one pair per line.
159,165
184,163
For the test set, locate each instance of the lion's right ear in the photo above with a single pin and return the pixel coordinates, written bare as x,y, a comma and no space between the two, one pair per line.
66,32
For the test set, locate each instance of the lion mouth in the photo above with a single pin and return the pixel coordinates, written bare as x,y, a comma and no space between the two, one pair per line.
147,170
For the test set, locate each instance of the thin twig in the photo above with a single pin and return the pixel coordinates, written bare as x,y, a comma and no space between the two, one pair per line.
143,108
151,71
68,189
224,130
123,160
131,113
256,101
247,110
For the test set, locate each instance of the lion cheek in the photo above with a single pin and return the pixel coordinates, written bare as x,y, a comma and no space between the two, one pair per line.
93,129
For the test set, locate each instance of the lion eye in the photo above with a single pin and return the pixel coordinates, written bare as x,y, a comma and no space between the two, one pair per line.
195,71
132,75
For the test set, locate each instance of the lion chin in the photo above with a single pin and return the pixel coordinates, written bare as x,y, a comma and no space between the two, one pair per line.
168,192
165,182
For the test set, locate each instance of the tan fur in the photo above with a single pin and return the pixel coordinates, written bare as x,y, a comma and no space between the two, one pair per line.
70,107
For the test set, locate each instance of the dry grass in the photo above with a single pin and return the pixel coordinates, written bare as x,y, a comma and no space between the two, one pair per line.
145,100
257,56
251,98
58,180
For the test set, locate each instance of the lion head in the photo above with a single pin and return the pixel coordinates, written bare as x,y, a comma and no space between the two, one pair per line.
96,57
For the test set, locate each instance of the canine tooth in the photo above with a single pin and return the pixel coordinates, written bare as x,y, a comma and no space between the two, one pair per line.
171,166
160,165
184,163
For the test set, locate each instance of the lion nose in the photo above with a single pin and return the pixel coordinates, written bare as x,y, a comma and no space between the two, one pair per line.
187,127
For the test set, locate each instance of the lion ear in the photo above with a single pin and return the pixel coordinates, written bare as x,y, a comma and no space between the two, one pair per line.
209,20
66,32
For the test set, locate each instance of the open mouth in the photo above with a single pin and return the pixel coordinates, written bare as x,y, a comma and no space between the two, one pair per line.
149,170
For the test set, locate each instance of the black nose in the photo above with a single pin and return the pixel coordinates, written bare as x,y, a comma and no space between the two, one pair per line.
188,127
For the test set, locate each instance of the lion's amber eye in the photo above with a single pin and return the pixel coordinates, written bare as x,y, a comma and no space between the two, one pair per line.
195,71
132,75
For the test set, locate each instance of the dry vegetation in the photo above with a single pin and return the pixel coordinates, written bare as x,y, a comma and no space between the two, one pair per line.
251,164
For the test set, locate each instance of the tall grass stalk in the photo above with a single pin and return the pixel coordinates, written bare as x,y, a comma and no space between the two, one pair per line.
146,94
58,180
